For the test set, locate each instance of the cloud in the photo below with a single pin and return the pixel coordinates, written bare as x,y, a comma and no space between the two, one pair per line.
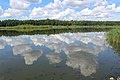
77,3
64,15
57,4
12,13
36,13
62,9
97,13
100,3
34,1
22,4
17,9
48,11
117,9
1,10
16,4
86,12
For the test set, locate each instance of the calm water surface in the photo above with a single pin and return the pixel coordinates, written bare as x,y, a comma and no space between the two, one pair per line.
66,56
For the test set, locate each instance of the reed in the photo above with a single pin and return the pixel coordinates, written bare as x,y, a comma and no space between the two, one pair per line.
114,35
113,38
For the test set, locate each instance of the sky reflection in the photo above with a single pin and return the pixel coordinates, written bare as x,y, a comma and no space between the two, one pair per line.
81,49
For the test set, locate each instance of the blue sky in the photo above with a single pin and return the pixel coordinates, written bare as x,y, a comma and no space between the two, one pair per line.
60,9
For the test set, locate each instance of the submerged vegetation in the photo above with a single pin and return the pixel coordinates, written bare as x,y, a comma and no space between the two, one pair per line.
113,38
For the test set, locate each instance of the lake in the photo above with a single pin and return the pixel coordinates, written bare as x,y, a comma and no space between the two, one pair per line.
64,56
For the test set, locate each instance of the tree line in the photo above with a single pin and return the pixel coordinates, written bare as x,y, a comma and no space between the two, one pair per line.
4,23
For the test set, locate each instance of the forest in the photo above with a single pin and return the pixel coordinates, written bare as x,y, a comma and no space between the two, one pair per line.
4,23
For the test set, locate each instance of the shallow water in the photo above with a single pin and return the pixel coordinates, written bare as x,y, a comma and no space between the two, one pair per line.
66,56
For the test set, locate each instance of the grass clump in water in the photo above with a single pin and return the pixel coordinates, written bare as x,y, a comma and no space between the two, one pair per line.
113,38
114,35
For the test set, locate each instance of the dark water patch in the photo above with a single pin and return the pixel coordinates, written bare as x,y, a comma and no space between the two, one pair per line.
51,31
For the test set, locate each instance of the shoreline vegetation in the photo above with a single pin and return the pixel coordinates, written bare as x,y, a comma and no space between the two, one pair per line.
50,29
27,28
30,27
57,25
5,23
113,38
114,35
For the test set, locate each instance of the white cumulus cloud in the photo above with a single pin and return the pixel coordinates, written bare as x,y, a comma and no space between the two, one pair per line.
77,3
62,9
22,4
12,13
118,9
1,10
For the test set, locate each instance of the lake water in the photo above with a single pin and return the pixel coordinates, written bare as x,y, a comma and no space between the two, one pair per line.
66,56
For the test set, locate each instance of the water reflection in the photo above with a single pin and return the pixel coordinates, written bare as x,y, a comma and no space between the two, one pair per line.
82,58
30,55
14,41
83,61
81,49
2,44
115,46
54,58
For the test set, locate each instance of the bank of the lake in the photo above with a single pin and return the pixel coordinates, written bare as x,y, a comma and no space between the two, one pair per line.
49,29
27,28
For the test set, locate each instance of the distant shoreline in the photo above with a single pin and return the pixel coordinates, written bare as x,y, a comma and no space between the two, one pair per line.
6,23
27,28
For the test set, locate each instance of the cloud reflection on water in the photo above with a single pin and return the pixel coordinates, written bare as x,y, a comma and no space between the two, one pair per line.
54,58
30,55
79,56
2,44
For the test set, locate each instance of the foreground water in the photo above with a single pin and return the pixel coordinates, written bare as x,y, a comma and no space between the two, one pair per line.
66,56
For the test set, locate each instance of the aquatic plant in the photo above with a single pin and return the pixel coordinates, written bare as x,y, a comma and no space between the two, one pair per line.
113,38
